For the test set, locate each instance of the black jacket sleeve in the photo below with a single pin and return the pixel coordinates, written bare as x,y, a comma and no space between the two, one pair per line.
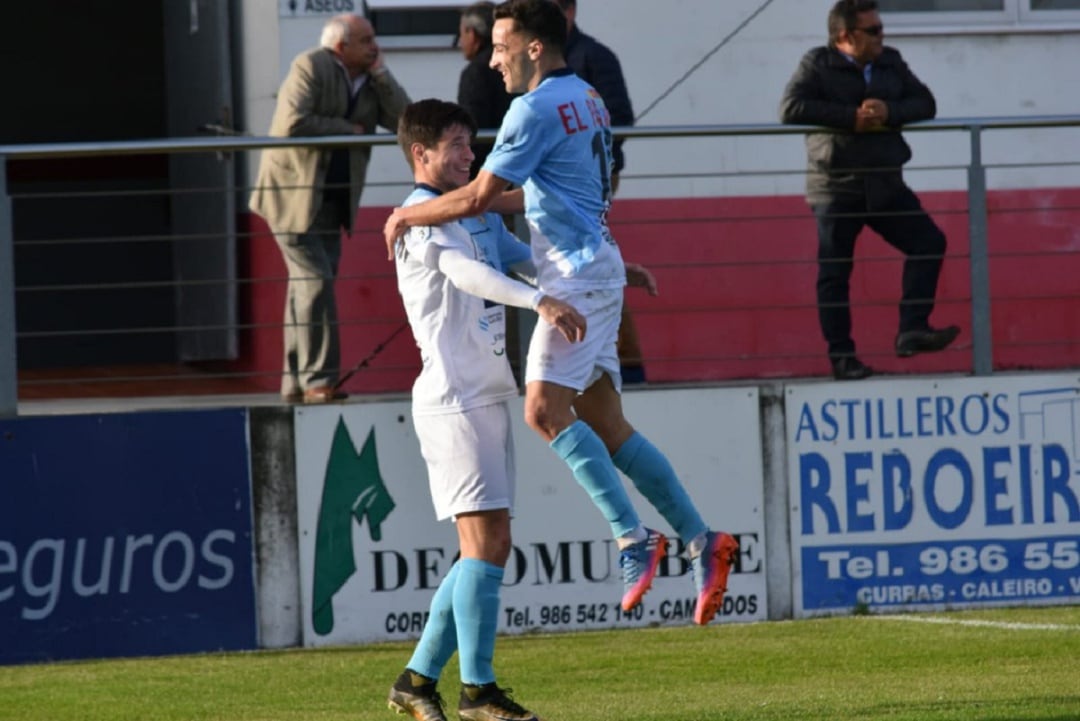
597,65
915,103
806,101
474,94
606,76
481,91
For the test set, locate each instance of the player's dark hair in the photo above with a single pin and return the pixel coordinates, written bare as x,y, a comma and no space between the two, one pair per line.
425,121
843,15
539,19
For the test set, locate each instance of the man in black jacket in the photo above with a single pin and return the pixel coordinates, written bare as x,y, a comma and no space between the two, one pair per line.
597,65
864,90
480,88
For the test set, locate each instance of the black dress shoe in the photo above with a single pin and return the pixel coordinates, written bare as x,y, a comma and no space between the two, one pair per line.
632,375
850,368
324,394
926,340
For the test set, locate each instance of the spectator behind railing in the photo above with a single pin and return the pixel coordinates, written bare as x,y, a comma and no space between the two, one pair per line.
755,293
308,195
480,88
858,85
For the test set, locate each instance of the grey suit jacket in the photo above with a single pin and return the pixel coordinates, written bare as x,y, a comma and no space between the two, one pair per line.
312,101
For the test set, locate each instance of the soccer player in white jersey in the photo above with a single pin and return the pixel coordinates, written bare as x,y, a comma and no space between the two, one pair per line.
555,141
452,279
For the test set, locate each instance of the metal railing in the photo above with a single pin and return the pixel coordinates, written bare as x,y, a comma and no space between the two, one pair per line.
976,166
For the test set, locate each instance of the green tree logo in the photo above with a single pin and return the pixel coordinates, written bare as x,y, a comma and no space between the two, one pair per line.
353,489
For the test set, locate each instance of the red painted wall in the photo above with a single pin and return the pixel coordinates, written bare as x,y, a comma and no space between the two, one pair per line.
736,300
369,309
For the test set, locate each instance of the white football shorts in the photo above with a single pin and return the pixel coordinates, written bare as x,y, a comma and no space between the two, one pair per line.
554,359
470,459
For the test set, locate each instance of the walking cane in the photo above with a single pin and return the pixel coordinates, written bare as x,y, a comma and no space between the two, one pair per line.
371,356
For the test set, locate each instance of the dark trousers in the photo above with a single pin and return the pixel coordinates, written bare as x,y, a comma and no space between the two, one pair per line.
904,225
312,346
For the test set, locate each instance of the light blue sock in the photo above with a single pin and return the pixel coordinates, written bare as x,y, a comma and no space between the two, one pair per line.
653,475
476,615
439,638
588,458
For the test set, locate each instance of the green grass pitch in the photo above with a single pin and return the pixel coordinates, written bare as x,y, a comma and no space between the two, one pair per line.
988,665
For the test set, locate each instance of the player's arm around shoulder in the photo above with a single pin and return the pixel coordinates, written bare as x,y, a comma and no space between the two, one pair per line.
509,202
465,202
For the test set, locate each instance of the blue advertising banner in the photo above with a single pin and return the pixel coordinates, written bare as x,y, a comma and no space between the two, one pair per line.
911,494
124,535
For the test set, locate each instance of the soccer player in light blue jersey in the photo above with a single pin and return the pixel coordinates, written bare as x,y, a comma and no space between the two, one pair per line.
555,142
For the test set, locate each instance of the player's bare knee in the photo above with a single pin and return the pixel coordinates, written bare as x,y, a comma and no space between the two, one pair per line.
539,417
614,434
608,423
495,546
500,551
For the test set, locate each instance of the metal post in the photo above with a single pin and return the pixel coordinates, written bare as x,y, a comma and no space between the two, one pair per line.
9,380
982,350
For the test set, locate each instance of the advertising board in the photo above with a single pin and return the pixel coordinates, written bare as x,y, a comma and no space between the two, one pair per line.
921,493
125,535
372,553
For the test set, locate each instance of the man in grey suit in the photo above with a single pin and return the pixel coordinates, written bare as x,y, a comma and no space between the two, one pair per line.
309,195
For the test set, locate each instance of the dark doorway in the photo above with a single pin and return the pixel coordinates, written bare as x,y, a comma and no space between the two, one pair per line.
104,245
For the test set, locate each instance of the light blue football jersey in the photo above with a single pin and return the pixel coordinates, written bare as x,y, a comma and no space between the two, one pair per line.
555,142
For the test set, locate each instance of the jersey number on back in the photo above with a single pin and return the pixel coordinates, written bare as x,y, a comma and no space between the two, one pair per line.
601,142
601,146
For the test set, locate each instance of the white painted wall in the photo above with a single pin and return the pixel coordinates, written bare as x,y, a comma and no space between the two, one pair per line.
1002,73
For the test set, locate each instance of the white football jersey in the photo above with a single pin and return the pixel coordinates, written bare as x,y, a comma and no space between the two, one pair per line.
462,338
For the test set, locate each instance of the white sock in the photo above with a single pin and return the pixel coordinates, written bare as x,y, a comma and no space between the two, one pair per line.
637,535
696,545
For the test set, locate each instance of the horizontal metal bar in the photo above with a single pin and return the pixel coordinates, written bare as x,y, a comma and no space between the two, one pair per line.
225,144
